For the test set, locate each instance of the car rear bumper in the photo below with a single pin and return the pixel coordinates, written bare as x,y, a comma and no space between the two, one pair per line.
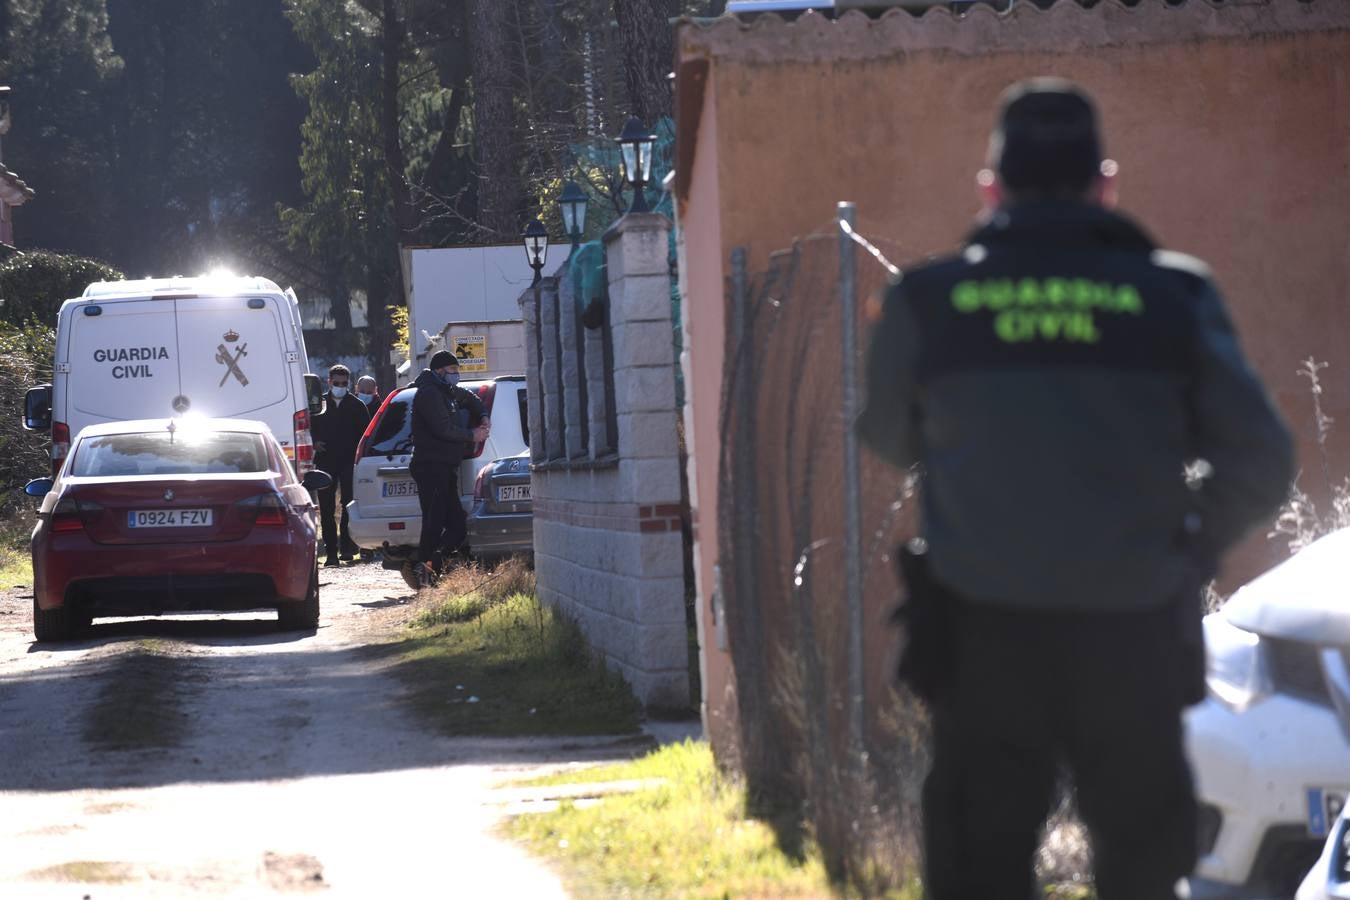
113,579
372,532
1253,772
501,534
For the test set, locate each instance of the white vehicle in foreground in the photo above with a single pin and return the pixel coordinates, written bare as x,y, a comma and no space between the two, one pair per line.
1271,743
215,347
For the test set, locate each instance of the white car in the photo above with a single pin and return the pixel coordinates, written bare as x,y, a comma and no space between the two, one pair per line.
1271,743
384,513
1329,878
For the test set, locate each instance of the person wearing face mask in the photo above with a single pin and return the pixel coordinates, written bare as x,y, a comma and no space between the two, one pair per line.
447,421
367,392
337,431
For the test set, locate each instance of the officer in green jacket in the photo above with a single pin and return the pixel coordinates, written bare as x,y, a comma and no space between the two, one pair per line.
1053,379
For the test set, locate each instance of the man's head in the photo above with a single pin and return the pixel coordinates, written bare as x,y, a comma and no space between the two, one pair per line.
1047,144
339,379
445,365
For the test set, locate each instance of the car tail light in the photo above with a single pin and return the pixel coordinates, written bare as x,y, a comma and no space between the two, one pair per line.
370,428
304,444
60,445
480,484
70,514
263,509
486,393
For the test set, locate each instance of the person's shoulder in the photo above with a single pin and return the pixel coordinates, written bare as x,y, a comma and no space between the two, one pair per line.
1191,270
937,273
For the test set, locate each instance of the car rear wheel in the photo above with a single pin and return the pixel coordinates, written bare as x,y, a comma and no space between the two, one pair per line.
302,616
58,624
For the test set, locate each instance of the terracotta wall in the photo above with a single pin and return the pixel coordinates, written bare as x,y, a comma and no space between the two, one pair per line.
1231,125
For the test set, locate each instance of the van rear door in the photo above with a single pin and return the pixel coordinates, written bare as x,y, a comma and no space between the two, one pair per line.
235,361
122,359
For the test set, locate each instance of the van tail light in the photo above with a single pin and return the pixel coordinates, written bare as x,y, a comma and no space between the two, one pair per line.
70,514
486,394
370,427
480,484
263,509
304,444
60,445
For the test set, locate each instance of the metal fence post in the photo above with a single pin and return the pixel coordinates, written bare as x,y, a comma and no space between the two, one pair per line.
848,217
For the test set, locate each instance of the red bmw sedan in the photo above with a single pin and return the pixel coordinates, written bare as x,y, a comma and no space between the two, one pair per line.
161,516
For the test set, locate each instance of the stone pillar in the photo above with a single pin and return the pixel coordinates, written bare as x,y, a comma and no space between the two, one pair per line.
534,419
644,393
550,374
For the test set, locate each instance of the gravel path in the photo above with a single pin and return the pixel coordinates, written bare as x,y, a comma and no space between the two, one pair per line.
213,756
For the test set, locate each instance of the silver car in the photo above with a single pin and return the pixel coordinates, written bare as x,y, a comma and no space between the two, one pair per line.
501,521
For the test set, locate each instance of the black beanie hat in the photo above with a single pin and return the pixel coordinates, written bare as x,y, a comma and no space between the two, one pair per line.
442,358
1047,139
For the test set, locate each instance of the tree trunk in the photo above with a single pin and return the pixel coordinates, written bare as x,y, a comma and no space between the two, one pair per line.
648,42
405,216
499,179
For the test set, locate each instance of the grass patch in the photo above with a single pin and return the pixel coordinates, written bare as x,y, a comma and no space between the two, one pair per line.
85,872
486,658
687,837
16,562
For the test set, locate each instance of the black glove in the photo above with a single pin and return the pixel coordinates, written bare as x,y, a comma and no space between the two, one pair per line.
927,618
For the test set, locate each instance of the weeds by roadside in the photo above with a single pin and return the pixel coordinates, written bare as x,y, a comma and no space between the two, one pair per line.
688,836
485,657
1299,520
16,565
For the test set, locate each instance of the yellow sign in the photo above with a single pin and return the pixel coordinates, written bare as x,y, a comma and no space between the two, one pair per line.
472,352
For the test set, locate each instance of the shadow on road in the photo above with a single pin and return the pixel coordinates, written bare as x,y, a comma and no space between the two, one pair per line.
267,707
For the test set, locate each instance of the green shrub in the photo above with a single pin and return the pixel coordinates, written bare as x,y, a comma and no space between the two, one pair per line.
34,283
25,361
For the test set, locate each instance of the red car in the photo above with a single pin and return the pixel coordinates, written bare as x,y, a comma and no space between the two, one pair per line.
160,516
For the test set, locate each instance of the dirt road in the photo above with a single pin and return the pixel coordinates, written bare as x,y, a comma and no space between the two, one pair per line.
214,756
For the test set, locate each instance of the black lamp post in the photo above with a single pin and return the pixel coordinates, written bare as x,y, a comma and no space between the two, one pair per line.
636,143
535,238
573,202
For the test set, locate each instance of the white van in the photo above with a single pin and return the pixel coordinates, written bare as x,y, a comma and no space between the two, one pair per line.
222,347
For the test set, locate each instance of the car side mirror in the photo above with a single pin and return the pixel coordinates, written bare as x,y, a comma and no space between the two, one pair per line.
314,394
38,487
317,480
37,408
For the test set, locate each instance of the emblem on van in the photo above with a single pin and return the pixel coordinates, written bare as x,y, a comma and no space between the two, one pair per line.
168,493
231,336
231,363
181,404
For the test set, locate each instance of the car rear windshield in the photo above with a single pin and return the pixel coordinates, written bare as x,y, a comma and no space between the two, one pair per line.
162,453
393,432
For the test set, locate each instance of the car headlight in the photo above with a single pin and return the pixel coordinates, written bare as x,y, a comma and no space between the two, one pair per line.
1238,671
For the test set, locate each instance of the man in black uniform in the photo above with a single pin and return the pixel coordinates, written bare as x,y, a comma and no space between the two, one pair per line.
337,431
1053,379
447,421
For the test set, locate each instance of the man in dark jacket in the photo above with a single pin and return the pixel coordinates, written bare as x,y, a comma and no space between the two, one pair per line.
337,431
447,421
1054,379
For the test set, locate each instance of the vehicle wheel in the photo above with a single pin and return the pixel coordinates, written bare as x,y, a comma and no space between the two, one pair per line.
302,616
59,624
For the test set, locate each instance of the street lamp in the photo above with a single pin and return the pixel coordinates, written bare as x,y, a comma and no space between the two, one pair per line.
573,202
535,238
636,143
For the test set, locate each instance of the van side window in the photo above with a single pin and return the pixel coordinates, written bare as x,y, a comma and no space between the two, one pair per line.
393,432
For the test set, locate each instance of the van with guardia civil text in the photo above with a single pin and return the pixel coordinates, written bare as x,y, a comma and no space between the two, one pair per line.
213,346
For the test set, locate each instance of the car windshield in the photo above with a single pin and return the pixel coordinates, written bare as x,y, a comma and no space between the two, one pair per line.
166,453
393,432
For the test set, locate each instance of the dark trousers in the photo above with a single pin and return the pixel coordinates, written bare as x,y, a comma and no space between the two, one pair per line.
342,478
1100,695
444,523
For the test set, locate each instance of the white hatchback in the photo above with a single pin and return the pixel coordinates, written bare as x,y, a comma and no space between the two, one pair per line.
1271,743
384,513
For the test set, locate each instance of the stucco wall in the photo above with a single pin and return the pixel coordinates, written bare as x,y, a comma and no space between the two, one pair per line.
1230,124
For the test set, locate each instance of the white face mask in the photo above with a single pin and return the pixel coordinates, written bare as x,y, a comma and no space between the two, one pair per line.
339,392
367,399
